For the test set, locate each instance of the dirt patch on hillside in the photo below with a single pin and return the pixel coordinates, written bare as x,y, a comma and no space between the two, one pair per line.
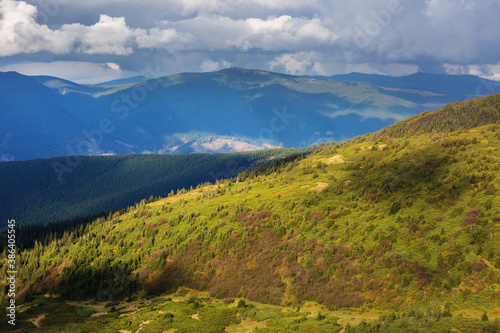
37,321
320,187
329,160
246,325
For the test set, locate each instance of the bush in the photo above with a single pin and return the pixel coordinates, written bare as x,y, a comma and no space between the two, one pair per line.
228,300
478,267
242,303
320,316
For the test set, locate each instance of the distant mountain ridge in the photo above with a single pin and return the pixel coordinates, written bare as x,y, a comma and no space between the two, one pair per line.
43,117
441,83
135,79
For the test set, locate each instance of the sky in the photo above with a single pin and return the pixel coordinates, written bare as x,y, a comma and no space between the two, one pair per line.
92,41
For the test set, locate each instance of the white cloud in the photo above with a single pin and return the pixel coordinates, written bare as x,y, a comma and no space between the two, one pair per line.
296,36
270,25
19,33
112,65
446,11
210,65
296,63
282,33
108,36
491,72
169,39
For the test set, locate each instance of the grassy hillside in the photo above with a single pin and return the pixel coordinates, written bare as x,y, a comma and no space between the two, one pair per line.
458,116
400,232
64,188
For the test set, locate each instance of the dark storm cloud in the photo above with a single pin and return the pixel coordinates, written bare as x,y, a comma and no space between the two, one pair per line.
123,37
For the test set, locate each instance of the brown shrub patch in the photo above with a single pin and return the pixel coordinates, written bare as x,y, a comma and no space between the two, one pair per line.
385,246
478,266
474,212
429,119
470,220
423,274
264,284
240,217
256,219
228,300
333,216
318,216
444,266
472,216
344,250
160,223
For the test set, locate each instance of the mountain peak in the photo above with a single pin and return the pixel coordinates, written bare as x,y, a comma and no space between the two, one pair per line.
130,80
245,71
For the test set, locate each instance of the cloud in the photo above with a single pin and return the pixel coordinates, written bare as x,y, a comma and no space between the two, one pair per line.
210,66
19,33
114,66
294,36
281,33
108,36
296,63
169,39
491,72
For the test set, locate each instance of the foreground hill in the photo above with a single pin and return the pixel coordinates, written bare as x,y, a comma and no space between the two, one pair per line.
402,229
230,110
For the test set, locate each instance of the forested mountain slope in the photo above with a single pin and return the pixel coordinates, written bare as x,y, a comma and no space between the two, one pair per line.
64,188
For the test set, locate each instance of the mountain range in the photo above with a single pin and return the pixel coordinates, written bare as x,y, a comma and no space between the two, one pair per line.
225,111
440,83
392,231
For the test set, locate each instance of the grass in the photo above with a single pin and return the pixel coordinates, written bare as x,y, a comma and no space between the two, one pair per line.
189,310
